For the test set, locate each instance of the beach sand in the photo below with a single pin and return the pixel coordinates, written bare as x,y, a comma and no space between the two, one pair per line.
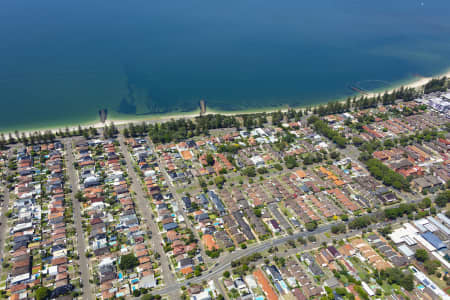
420,82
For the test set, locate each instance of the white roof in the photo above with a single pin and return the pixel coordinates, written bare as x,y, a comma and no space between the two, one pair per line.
430,227
203,295
106,261
406,250
403,234
409,240
419,226
367,289
440,226
250,280
147,281
257,159
22,226
397,235
422,221
91,179
444,218
53,270
20,278
410,228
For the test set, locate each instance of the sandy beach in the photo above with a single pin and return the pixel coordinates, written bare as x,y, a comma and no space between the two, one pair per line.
420,82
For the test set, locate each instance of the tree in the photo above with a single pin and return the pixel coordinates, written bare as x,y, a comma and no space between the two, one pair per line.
249,171
262,170
150,297
209,159
126,132
302,240
357,141
219,180
431,266
80,196
128,261
421,255
386,230
360,222
42,293
290,162
395,275
312,238
339,228
257,211
311,226
322,127
388,176
435,85
443,198
278,167
425,203
226,274
344,217
334,155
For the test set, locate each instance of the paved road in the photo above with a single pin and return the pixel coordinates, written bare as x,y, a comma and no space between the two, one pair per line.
144,207
180,205
225,261
3,218
81,247
4,222
220,288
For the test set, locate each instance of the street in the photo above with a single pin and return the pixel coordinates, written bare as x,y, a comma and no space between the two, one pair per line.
4,210
180,204
80,239
144,207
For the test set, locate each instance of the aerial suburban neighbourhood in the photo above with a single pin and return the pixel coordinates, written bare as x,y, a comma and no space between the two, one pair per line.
345,200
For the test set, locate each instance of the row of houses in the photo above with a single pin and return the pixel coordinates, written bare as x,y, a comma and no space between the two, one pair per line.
178,239
41,252
113,228
427,163
295,279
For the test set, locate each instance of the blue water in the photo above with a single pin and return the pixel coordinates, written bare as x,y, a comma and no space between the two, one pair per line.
62,61
283,285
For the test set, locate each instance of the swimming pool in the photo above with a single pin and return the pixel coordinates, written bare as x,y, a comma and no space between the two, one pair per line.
283,285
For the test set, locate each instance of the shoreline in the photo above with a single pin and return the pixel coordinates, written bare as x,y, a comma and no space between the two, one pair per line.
420,82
